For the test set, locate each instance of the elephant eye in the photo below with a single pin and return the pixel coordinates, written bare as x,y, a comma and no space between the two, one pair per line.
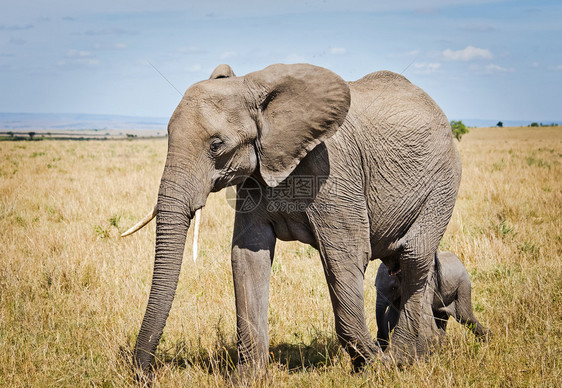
216,144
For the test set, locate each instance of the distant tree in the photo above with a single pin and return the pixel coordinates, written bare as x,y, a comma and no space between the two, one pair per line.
458,129
11,134
499,124
535,124
31,134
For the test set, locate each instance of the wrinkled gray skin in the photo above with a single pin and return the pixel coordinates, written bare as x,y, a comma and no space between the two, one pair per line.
384,175
451,297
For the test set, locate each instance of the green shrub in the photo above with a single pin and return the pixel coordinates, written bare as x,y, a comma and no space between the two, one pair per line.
458,129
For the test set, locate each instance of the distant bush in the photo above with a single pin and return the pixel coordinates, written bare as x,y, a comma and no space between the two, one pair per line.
458,129
535,124
499,124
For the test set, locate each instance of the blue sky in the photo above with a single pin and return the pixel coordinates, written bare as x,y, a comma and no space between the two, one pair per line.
486,59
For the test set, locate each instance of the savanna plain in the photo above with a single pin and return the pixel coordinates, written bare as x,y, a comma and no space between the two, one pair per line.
73,293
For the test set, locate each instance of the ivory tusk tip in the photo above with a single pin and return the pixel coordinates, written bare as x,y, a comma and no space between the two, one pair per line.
141,223
127,233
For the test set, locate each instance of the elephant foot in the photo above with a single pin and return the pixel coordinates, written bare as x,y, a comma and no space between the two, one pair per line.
144,378
483,334
359,361
396,356
400,354
249,374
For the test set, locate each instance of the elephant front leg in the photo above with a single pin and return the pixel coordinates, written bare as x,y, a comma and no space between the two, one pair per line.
253,247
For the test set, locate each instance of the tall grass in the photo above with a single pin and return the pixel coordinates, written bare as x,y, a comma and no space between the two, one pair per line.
72,293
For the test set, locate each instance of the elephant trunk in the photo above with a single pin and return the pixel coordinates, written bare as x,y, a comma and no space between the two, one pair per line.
172,223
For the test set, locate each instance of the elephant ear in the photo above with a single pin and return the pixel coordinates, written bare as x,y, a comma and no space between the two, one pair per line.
299,106
222,71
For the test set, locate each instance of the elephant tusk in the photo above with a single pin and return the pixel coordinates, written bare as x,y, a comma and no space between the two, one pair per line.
196,234
141,223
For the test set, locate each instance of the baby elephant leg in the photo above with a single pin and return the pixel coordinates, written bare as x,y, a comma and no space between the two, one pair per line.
441,319
464,313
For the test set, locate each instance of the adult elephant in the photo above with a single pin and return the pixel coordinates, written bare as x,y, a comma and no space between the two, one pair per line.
359,170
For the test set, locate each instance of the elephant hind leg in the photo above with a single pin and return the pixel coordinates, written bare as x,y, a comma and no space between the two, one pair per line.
416,330
351,328
345,257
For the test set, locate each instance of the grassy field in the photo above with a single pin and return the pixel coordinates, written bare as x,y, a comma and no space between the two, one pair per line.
73,293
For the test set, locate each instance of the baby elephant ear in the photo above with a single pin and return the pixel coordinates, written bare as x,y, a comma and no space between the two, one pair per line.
222,71
299,106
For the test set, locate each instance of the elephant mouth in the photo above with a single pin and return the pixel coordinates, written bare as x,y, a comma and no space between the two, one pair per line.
395,272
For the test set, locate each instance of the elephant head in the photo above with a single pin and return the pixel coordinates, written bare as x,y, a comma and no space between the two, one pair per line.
223,130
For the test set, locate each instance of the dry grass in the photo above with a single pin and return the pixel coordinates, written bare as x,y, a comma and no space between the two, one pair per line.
72,293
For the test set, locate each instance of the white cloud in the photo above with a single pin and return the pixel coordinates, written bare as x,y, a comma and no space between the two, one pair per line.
17,41
190,49
78,54
108,31
467,54
16,27
426,68
228,54
109,46
479,27
427,10
493,68
78,58
295,58
78,62
407,54
194,68
556,68
338,50
535,64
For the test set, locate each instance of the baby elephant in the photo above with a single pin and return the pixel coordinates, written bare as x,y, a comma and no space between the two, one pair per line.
451,298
